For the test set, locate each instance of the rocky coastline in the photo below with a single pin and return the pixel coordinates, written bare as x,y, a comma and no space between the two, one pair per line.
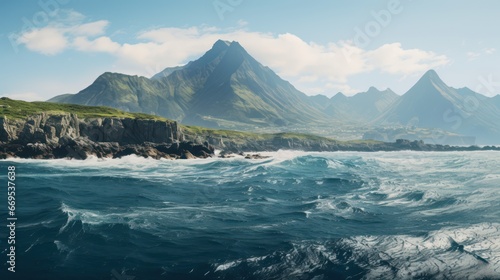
53,136
327,145
46,136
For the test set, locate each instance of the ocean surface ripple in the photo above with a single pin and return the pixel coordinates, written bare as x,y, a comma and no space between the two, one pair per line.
295,215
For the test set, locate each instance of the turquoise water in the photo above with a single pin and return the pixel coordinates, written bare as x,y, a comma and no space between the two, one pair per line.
296,215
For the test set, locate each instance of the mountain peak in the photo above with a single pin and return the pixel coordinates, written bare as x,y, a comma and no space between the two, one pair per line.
235,46
225,47
431,74
339,96
221,45
430,79
109,75
373,89
222,42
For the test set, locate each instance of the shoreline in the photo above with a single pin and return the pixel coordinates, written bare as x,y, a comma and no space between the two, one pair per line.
252,155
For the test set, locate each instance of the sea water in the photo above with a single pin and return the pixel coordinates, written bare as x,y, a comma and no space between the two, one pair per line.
294,215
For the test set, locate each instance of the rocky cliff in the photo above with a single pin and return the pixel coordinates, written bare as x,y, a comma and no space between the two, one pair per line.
67,136
46,128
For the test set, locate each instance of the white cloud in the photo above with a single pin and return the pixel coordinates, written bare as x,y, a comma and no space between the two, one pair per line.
474,55
48,40
67,17
90,29
292,57
56,36
101,44
242,22
170,34
490,50
393,59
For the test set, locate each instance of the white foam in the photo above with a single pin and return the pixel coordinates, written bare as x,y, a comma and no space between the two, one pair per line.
334,164
439,253
61,247
340,206
471,252
227,265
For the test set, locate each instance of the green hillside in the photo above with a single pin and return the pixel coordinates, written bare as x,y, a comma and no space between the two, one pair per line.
16,109
127,93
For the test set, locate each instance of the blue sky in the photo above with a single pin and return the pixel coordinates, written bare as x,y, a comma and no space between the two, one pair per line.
50,47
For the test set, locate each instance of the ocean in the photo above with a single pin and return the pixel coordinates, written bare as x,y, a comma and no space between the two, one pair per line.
295,215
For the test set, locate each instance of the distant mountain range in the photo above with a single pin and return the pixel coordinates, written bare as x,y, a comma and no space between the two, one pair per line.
361,107
228,88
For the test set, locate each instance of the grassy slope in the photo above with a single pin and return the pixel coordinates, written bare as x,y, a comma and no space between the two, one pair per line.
16,109
240,137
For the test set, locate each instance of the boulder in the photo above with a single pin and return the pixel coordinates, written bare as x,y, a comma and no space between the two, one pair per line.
187,155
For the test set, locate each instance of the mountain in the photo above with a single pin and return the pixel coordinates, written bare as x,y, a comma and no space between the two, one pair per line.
320,101
241,89
61,98
338,107
128,93
361,107
430,103
373,102
225,87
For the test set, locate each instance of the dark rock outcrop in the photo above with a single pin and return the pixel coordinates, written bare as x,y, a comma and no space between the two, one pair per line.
255,156
66,136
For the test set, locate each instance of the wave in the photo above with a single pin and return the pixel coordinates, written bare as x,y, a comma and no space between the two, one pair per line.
148,218
451,253
339,207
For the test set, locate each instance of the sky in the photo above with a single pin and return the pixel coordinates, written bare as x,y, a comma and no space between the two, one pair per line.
52,47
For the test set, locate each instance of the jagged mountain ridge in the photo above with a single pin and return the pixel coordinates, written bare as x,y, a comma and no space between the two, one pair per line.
361,107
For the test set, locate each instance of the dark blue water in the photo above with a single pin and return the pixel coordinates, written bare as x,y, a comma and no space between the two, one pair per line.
296,215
